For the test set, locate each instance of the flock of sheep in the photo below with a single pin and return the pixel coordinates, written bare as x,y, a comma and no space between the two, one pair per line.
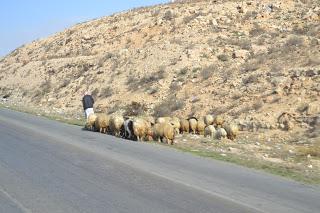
160,129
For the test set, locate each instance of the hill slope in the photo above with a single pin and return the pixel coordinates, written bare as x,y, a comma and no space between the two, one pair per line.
250,61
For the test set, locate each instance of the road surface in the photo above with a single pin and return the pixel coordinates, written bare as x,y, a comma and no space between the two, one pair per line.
47,166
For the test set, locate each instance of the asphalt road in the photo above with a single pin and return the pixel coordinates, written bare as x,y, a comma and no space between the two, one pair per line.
47,166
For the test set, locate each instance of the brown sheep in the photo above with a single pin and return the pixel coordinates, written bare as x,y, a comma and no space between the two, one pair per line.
232,131
193,122
218,121
116,124
201,126
164,130
163,120
208,120
141,128
184,126
90,122
102,122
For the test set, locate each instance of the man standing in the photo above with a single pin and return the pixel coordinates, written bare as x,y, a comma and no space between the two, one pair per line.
87,102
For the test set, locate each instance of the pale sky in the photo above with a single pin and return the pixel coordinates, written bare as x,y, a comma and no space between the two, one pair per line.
22,21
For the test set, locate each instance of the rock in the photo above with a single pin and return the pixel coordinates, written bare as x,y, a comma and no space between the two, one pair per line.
213,22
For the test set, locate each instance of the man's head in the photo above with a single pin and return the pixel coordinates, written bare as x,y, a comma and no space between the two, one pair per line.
86,93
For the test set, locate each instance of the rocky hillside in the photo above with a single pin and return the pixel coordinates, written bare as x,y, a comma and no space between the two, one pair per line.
248,60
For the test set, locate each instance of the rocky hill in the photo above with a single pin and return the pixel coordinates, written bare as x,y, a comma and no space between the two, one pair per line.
251,61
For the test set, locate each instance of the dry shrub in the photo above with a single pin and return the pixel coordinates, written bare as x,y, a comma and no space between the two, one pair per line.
236,95
222,57
175,86
65,83
293,41
257,105
135,109
183,71
188,19
168,106
106,92
135,83
307,29
253,78
207,72
250,15
168,15
313,61
250,66
176,41
242,43
154,77
104,58
256,30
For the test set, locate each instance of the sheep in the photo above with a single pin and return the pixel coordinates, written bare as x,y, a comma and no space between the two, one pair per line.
175,122
128,129
90,122
232,131
208,120
210,131
141,128
116,124
164,130
163,120
102,122
193,122
184,126
218,121
201,126
221,133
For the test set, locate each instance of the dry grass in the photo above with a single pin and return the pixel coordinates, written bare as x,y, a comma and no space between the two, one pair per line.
312,150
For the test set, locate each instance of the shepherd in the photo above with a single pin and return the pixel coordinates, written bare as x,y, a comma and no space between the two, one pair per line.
87,102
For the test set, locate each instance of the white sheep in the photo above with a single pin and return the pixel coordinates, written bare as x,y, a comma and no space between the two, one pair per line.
210,131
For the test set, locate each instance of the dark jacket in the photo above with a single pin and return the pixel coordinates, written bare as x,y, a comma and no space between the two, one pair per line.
87,102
